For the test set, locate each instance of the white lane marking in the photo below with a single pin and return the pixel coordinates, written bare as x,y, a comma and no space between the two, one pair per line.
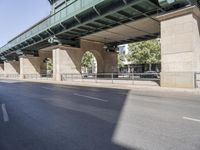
90,97
5,114
56,87
191,119
47,88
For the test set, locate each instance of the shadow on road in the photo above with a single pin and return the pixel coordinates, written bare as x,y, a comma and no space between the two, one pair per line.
47,116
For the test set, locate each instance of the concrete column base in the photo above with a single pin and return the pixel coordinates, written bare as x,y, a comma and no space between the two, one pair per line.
177,79
66,60
29,65
110,62
180,47
11,68
1,69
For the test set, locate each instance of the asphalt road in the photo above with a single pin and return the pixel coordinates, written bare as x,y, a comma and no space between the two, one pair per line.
37,116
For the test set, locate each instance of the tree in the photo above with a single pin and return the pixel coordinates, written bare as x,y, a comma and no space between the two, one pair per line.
121,59
145,52
86,60
49,64
88,63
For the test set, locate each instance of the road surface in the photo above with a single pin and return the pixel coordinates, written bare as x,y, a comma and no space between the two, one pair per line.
36,116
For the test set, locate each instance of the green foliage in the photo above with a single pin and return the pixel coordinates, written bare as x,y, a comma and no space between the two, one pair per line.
86,60
121,59
49,64
146,52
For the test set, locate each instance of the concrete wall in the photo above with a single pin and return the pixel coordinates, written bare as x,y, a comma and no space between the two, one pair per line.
29,65
110,62
180,44
66,60
1,69
11,67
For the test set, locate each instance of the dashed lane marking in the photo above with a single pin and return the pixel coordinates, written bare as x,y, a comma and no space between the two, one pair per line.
5,114
90,97
191,119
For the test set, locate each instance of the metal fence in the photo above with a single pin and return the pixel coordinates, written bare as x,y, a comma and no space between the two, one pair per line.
197,79
27,76
152,79
118,78
114,78
9,76
38,76
2,76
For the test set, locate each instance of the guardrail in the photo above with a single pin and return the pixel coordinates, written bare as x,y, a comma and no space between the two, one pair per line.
120,78
197,79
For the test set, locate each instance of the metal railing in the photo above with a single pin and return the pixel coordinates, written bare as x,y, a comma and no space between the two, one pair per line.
27,76
152,79
197,79
2,75
118,78
38,76
10,76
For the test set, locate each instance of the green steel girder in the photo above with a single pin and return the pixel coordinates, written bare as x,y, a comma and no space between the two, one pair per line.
99,17
52,1
169,3
94,17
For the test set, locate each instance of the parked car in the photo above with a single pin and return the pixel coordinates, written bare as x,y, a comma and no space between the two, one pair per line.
150,74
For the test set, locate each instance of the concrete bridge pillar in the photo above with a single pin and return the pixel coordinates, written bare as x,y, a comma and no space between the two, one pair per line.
44,56
106,61
1,69
29,65
180,44
11,68
66,60
110,62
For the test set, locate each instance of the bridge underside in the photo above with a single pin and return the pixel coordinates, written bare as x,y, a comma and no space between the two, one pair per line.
143,29
111,17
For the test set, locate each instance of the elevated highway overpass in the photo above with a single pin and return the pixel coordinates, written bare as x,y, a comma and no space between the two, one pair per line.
76,26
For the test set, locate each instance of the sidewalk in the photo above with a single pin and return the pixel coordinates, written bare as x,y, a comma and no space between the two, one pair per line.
159,91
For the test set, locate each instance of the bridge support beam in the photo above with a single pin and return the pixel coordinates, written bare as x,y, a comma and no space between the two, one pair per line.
11,68
180,44
29,65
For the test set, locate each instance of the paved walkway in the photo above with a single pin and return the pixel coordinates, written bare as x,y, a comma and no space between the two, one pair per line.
137,86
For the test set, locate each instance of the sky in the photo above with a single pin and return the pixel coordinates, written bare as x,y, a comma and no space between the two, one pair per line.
18,15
